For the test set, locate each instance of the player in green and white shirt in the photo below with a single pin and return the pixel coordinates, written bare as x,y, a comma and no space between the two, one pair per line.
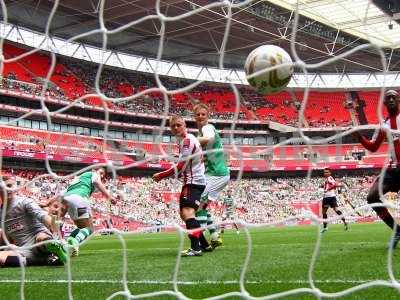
76,201
217,172
229,211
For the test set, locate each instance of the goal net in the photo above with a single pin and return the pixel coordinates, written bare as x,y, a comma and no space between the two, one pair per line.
44,70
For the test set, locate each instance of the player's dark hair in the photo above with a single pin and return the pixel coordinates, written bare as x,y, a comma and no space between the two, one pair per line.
13,261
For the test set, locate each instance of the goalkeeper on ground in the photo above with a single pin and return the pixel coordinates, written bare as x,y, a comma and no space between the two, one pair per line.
26,224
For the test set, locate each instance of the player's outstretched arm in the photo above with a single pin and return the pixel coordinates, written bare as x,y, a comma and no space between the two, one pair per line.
185,152
39,213
168,173
49,222
47,202
98,184
371,145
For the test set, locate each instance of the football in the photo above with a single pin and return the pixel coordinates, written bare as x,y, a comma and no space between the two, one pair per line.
270,81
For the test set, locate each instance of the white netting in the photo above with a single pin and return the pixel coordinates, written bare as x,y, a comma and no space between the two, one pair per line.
164,19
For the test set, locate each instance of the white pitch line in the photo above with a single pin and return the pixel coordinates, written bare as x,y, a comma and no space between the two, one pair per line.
63,281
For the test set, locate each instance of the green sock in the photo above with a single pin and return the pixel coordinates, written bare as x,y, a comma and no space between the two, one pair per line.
201,217
210,222
74,233
79,235
83,234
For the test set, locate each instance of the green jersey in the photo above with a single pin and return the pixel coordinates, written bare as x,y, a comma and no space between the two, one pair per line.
215,162
82,185
229,203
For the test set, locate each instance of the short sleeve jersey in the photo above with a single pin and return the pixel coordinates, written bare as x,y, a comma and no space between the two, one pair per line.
190,152
329,187
215,161
392,123
83,185
229,204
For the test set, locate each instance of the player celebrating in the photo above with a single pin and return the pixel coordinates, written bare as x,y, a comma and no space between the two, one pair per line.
229,211
391,180
329,199
76,201
191,169
26,224
217,172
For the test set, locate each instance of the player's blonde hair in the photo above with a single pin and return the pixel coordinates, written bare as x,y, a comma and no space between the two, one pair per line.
175,118
201,106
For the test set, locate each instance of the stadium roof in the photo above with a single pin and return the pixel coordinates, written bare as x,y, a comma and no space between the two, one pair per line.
196,39
361,18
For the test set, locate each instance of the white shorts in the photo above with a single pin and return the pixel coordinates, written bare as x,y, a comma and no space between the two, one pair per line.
78,207
228,215
214,186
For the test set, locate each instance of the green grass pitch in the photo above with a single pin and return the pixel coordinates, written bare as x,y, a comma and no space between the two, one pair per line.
280,261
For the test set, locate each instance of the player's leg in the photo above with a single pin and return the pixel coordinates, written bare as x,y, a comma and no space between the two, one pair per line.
232,219
390,184
195,197
205,219
54,247
374,198
236,227
334,206
189,198
213,230
188,216
201,213
80,212
215,185
222,226
324,215
78,235
10,258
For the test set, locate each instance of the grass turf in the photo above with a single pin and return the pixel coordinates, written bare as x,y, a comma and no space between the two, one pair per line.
280,262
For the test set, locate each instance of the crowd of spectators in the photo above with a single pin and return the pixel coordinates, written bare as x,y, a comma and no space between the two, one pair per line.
118,84
11,83
262,200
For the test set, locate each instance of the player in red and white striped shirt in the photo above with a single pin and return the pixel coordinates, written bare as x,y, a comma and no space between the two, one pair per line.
329,199
190,169
391,180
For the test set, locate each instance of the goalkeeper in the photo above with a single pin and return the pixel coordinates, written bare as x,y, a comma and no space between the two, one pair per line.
26,224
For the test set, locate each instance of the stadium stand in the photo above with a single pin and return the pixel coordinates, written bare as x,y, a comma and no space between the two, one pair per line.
73,79
257,200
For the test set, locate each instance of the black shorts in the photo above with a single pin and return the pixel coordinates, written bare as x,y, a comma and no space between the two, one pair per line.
392,179
190,196
329,202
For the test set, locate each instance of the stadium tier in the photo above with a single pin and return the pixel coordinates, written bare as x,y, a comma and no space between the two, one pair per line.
37,144
72,79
